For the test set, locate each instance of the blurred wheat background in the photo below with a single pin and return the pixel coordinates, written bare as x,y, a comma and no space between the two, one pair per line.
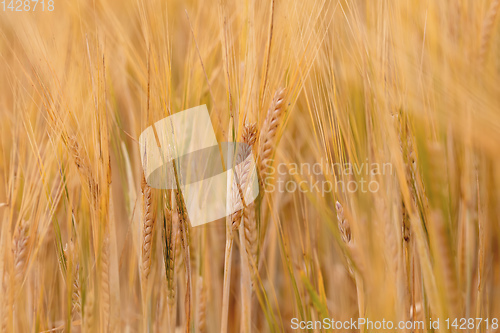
87,246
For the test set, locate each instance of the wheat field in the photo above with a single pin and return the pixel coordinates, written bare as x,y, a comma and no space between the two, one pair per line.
375,129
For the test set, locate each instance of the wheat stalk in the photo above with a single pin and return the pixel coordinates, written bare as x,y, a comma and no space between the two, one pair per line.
227,274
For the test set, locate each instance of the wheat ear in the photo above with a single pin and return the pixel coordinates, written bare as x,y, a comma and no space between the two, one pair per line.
445,259
88,319
149,216
201,314
76,298
105,283
71,258
7,304
486,29
346,235
251,233
169,249
268,133
242,170
83,165
184,234
343,223
20,248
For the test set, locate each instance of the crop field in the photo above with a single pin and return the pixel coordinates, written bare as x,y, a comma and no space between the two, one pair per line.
365,173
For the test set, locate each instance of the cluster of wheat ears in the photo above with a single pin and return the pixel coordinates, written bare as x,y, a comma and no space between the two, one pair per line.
87,246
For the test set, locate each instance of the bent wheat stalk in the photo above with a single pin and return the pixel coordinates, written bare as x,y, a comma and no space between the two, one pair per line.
243,171
242,167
